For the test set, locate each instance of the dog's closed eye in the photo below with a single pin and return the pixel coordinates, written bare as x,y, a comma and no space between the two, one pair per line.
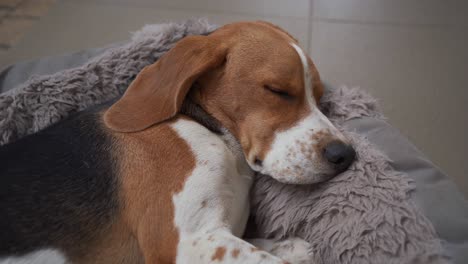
279,92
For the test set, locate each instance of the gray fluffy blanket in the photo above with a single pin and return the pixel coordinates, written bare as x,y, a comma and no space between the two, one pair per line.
365,215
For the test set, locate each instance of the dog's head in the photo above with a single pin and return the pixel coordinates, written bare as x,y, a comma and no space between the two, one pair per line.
259,84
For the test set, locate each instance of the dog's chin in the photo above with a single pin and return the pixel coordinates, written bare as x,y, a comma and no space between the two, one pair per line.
299,180
310,180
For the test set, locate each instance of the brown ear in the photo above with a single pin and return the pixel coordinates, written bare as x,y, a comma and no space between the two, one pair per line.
159,89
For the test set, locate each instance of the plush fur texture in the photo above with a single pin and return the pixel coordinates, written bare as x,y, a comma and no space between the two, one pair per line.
364,215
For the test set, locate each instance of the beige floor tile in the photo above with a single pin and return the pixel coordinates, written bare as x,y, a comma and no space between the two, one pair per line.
9,3
12,29
71,26
424,12
297,8
34,8
419,74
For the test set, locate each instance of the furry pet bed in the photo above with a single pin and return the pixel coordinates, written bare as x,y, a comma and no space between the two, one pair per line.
365,215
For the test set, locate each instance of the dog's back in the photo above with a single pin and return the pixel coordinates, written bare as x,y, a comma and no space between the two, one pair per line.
62,174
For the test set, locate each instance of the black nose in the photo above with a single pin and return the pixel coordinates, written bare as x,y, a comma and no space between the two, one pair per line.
339,155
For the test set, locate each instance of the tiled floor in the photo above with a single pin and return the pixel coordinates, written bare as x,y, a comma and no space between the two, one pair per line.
16,17
411,54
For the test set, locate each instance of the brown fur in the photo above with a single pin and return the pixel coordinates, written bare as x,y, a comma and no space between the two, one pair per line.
159,90
219,254
116,245
154,164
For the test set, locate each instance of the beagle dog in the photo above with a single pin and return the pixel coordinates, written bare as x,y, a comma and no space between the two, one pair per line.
163,174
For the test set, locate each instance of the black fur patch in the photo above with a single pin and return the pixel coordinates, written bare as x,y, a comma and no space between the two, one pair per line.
58,187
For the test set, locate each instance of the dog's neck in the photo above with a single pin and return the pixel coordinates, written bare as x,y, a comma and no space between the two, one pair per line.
195,111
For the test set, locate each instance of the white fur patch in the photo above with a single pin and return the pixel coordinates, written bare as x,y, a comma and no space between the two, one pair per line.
212,209
46,256
307,76
216,193
292,157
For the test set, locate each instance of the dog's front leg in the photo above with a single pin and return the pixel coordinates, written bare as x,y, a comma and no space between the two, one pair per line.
221,246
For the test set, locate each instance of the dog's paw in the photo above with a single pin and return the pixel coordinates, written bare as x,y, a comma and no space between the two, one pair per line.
293,250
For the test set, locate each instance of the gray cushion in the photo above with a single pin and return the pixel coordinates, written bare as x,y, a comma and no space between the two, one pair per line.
435,193
18,73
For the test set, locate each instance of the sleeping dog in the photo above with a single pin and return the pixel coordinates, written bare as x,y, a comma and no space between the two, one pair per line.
163,174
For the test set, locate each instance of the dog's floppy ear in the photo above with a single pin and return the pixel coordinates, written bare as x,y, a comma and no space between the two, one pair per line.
159,89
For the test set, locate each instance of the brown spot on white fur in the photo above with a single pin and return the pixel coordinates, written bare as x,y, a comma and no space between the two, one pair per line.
253,249
321,139
235,253
219,254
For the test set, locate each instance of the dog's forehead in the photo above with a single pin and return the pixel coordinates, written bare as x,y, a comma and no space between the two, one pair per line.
258,38
254,33
262,45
